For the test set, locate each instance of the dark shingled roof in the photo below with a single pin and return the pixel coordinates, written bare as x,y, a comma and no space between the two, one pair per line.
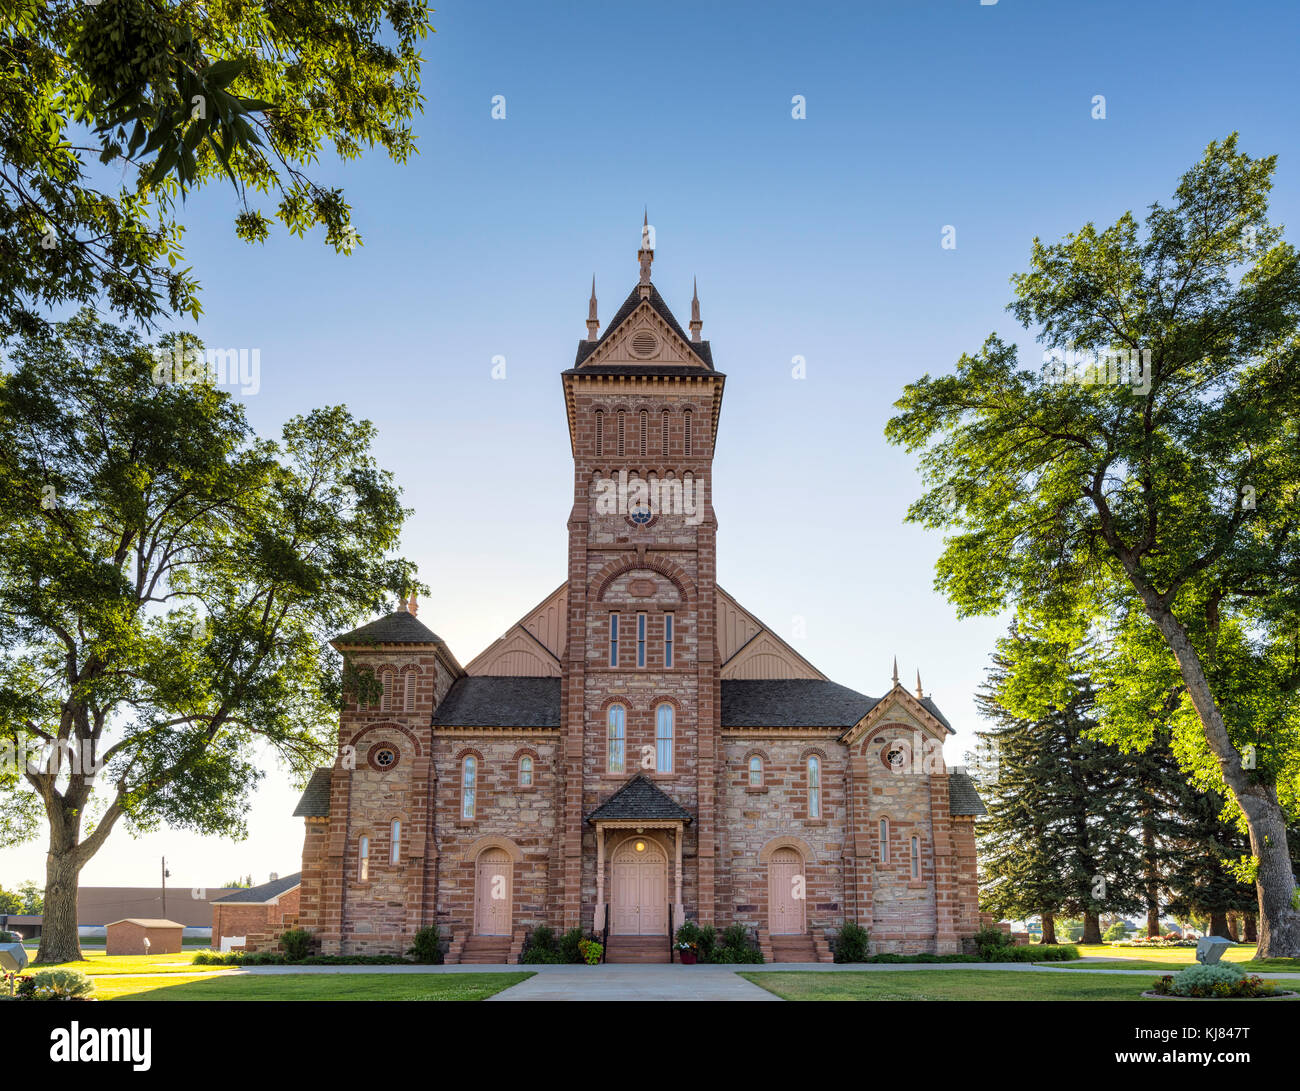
700,348
398,627
933,710
640,798
265,892
963,799
315,801
484,701
792,702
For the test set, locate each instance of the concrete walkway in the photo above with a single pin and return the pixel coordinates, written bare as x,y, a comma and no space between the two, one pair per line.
631,982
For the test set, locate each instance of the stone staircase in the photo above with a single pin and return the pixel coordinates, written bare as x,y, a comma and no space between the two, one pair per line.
822,943
642,950
794,949
486,950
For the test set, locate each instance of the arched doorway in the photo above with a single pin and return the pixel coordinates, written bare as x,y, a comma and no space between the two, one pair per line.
786,885
493,893
639,906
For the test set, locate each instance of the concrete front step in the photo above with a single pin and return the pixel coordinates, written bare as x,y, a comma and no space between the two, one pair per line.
644,950
794,949
483,950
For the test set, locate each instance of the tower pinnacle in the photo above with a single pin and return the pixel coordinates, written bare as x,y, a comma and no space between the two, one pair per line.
593,323
646,254
696,324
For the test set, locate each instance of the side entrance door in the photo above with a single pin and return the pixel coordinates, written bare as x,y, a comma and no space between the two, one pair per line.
492,894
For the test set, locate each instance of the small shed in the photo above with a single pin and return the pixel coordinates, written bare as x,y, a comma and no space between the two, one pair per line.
127,937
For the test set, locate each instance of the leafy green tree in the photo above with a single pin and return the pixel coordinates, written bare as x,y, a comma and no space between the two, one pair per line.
10,902
113,110
1060,833
1171,495
168,584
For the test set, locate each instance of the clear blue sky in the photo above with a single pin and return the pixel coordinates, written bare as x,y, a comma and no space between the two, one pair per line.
818,238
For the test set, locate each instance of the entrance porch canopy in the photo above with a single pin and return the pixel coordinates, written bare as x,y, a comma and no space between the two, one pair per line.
639,805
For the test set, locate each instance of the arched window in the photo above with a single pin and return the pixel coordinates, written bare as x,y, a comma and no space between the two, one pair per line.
621,432
386,701
686,432
469,787
663,438
409,700
916,857
645,432
526,771
617,721
664,739
363,860
884,840
755,771
395,850
814,786
600,432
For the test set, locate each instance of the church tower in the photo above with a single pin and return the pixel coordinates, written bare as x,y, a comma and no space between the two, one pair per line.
640,701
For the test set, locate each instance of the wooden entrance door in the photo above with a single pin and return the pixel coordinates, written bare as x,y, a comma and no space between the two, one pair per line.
640,886
492,894
785,887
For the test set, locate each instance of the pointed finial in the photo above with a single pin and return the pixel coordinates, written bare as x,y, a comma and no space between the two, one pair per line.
646,254
593,323
918,685
413,606
895,670
696,324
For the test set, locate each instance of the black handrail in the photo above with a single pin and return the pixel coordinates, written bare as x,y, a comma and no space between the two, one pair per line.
604,937
671,950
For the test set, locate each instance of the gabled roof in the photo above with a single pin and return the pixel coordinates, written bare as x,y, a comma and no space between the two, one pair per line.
500,701
963,797
267,892
315,800
699,348
640,797
147,922
399,627
792,702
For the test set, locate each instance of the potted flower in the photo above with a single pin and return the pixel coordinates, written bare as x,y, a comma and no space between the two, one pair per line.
686,952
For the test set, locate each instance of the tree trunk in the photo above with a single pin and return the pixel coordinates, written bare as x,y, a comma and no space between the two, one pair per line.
1091,927
1049,927
1151,875
1153,921
1251,936
60,940
1219,923
1234,929
1279,920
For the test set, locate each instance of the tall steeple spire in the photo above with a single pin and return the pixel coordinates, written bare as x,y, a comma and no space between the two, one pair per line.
593,323
696,324
646,254
919,693
895,670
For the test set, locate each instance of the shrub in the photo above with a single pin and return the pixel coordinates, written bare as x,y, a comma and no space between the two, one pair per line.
570,946
737,946
425,946
542,948
991,943
1118,930
61,985
1222,980
296,944
591,951
852,944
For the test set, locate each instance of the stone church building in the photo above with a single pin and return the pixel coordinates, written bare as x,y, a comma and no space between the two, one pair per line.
638,749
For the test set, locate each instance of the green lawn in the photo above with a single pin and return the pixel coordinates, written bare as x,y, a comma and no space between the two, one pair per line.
96,963
310,987
1177,958
948,985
